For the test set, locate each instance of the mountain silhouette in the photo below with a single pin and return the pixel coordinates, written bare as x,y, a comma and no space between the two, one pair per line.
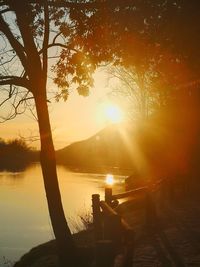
108,148
162,146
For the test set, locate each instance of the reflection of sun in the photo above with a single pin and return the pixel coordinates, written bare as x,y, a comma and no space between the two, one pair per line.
109,179
112,113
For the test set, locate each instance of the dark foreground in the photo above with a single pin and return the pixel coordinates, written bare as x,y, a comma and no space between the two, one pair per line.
45,254
172,240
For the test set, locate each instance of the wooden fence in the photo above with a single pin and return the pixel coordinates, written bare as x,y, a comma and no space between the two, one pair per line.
114,236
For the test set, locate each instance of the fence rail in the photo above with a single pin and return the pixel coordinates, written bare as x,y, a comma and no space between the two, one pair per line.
112,232
130,193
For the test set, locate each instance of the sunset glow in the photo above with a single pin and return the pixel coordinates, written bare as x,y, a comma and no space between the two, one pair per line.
113,113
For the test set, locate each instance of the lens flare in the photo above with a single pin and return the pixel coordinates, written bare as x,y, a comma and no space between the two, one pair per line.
109,179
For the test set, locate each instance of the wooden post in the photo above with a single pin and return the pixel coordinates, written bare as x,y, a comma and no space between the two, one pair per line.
96,216
108,195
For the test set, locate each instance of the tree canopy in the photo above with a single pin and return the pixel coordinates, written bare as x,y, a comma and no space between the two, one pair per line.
76,37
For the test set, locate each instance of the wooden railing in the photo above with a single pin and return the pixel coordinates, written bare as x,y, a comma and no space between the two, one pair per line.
114,236
112,232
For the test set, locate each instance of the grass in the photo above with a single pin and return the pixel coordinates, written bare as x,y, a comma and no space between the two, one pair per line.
4,262
82,222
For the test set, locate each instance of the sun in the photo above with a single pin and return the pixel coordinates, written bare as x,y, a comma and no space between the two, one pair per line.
113,113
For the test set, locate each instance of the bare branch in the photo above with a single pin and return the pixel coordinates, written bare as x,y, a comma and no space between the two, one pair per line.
14,80
46,39
33,114
31,138
83,4
8,61
59,45
16,45
28,38
4,11
5,100
19,103
56,36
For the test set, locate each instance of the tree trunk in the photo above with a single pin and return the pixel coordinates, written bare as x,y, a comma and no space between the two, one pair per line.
66,248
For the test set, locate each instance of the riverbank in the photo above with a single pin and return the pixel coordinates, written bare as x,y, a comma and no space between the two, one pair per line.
168,243
45,255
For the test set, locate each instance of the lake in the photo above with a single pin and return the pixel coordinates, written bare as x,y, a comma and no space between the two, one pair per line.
24,216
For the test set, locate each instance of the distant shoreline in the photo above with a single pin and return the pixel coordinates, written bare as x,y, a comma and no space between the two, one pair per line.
98,169
20,167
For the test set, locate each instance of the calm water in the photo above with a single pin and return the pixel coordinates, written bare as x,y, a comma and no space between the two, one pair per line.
24,220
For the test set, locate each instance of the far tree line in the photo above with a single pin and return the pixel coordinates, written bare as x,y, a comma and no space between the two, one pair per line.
16,154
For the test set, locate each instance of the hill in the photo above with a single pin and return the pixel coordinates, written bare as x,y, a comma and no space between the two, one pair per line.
165,145
105,149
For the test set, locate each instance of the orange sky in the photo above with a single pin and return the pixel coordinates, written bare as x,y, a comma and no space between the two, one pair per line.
76,119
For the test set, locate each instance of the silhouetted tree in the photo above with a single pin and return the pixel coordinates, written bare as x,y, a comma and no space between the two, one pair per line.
76,36
2,143
29,29
161,58
15,155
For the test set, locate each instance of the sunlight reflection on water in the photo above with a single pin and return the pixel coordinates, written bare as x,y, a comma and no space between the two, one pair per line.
24,216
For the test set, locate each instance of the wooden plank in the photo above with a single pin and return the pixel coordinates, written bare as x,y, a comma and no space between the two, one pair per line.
109,211
96,216
130,193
